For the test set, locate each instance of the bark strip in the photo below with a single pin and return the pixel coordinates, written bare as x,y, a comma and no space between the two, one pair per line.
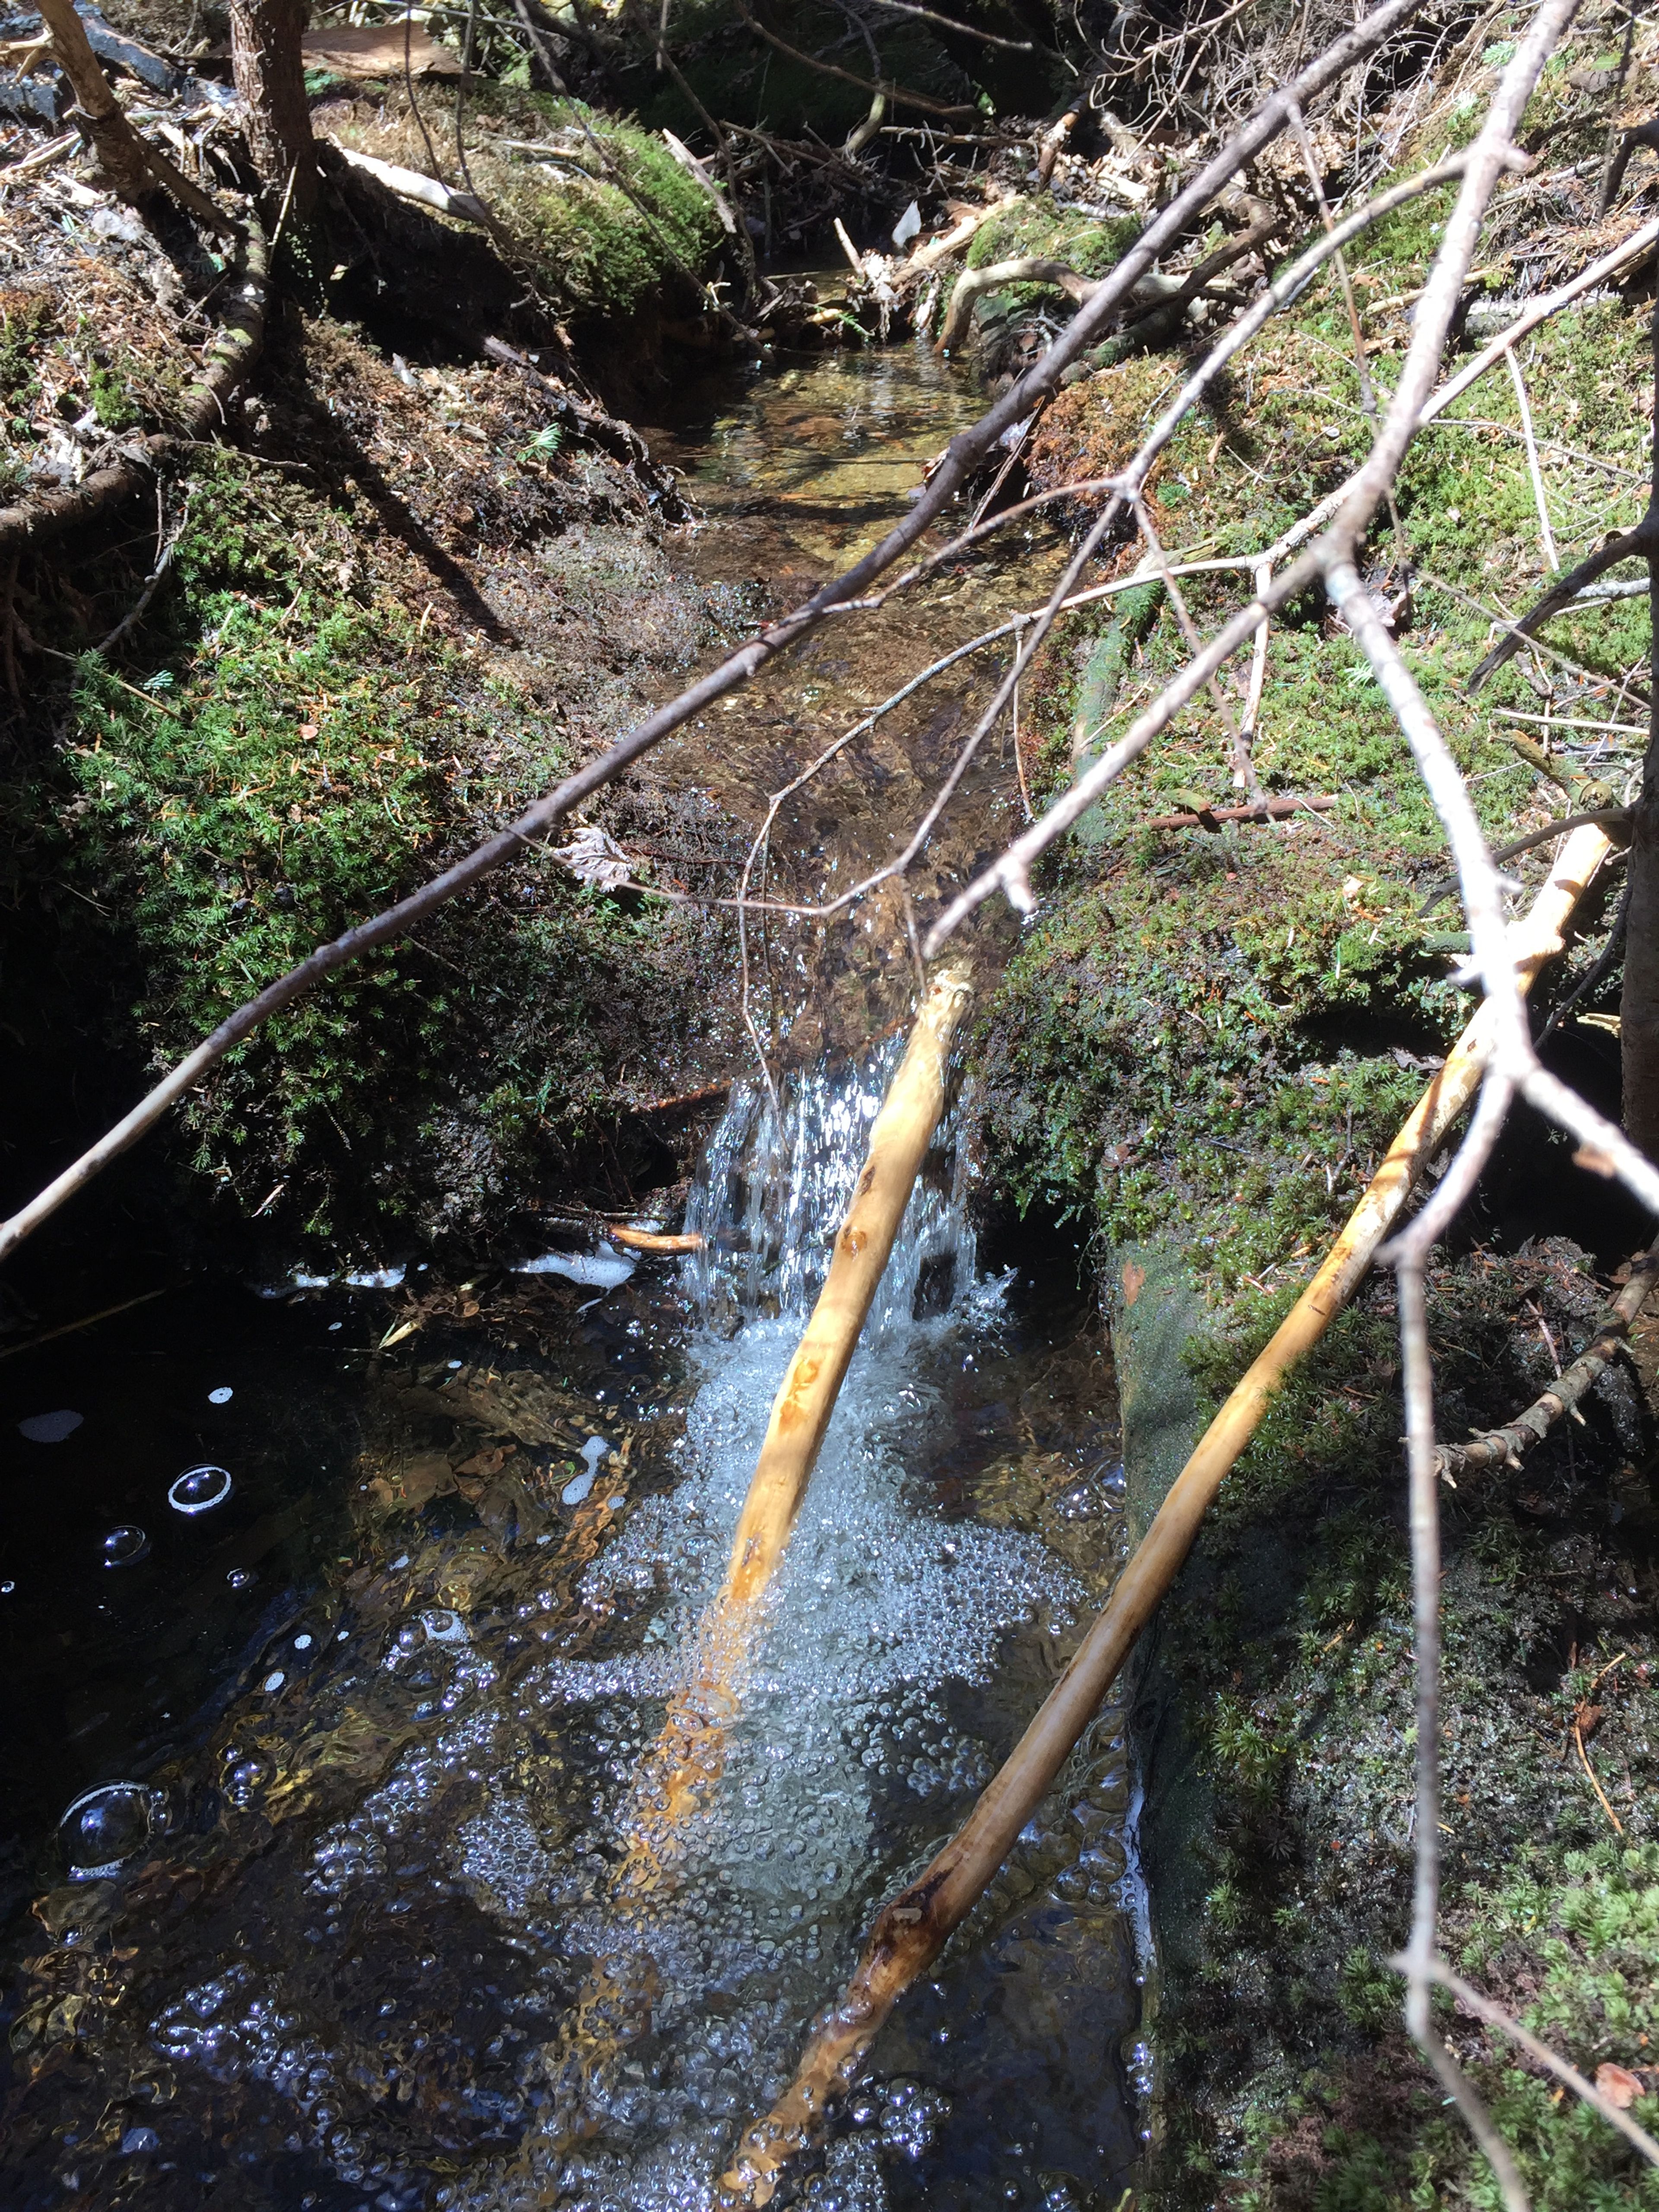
912,1929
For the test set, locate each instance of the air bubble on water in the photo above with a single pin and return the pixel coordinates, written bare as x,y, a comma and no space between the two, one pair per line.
137,2142
444,1626
240,1578
199,1489
454,1365
104,1828
50,1428
401,1560
221,1396
302,1644
243,1778
273,1682
7,1588
124,1546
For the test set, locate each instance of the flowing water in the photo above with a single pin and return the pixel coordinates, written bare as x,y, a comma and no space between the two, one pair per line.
336,1626
800,467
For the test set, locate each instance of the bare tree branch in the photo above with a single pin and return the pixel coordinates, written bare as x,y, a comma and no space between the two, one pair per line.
1504,1446
1495,2016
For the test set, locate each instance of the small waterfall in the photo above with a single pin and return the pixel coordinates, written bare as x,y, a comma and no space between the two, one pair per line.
955,1528
856,1748
777,1180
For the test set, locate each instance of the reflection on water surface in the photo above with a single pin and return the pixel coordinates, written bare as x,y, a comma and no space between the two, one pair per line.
348,1935
829,448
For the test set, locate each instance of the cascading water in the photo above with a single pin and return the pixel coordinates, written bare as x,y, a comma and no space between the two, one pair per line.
429,1990
333,1918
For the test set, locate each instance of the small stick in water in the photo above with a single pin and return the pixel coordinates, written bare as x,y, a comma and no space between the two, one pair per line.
689,1756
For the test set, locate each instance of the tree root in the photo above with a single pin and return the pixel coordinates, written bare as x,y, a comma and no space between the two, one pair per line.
50,514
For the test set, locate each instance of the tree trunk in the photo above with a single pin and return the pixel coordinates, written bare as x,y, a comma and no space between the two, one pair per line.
1638,1026
264,46
121,159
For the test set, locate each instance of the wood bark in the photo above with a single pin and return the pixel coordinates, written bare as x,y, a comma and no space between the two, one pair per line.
121,158
264,49
911,1931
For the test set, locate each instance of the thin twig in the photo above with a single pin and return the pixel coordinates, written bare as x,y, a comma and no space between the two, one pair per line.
1495,2016
1504,1446
1552,558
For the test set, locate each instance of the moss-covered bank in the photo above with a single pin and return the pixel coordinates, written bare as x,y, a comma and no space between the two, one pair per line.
414,602
1201,1048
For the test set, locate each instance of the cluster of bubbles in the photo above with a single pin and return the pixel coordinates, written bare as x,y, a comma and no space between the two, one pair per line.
237,2026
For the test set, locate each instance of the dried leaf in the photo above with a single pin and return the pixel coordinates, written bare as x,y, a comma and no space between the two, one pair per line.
1618,2085
594,857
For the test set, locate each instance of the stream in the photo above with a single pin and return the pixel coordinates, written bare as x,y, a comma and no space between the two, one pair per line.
337,1615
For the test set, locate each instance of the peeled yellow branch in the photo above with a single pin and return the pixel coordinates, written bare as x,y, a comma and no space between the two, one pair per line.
912,1929
689,1754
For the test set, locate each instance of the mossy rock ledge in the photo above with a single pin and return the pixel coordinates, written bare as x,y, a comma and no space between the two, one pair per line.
1201,1049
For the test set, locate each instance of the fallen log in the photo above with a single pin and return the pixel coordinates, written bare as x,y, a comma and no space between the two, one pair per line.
928,255
912,1929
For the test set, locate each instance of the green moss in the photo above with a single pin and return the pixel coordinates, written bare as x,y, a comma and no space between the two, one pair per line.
600,229
293,762
111,402
1205,1033
1090,243
604,230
